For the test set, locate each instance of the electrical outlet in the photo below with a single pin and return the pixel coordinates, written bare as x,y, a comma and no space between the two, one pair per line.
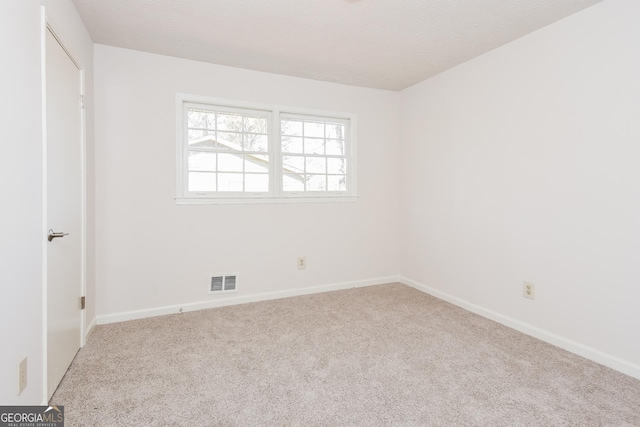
302,263
529,290
22,376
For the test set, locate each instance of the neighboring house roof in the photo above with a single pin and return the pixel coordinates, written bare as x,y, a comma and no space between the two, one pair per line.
236,150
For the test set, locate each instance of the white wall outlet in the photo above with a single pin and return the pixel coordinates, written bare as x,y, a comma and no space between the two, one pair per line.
22,376
529,290
302,263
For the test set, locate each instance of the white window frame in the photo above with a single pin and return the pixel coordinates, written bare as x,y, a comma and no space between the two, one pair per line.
275,193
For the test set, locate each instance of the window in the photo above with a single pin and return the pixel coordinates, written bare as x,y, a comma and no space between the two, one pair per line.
314,156
226,150
229,152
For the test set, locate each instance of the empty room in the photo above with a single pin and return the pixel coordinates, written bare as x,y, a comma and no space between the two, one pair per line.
319,213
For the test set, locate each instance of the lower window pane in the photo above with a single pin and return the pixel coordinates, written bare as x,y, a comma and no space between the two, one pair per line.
293,182
202,161
230,162
337,166
201,138
337,183
316,165
256,163
202,181
293,164
256,182
230,182
316,182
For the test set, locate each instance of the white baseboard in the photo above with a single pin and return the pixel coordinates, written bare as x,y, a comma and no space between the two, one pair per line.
587,352
221,302
90,326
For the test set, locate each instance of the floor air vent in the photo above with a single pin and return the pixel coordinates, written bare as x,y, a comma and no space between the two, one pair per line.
222,284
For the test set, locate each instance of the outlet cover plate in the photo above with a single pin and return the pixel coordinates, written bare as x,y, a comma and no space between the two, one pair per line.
22,376
529,290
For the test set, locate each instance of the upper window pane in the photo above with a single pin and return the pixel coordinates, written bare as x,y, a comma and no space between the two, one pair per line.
201,138
255,124
313,129
291,144
335,147
255,142
335,131
232,122
291,127
200,119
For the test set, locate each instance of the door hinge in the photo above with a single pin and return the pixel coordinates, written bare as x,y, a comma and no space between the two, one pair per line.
81,101
82,303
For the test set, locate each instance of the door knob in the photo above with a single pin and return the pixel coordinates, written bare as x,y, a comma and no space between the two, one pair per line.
54,234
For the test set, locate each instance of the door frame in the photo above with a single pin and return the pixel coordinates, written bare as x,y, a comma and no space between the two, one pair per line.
48,24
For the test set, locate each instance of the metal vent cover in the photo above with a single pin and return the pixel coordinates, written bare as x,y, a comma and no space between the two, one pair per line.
220,284
230,283
216,284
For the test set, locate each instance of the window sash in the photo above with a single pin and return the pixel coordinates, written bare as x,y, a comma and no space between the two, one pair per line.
219,173
304,154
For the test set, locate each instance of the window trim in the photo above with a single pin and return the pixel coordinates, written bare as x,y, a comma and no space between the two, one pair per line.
276,193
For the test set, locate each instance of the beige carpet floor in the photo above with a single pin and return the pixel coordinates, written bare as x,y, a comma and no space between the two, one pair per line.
378,356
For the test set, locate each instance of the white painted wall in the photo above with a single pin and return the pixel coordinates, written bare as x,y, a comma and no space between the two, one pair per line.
523,164
518,165
21,213
152,253
21,247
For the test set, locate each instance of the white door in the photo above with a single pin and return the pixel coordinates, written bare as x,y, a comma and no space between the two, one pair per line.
63,210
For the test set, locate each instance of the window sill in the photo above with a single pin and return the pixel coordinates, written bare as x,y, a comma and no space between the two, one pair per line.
262,200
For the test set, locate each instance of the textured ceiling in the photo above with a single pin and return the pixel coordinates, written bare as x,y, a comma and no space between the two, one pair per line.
386,44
